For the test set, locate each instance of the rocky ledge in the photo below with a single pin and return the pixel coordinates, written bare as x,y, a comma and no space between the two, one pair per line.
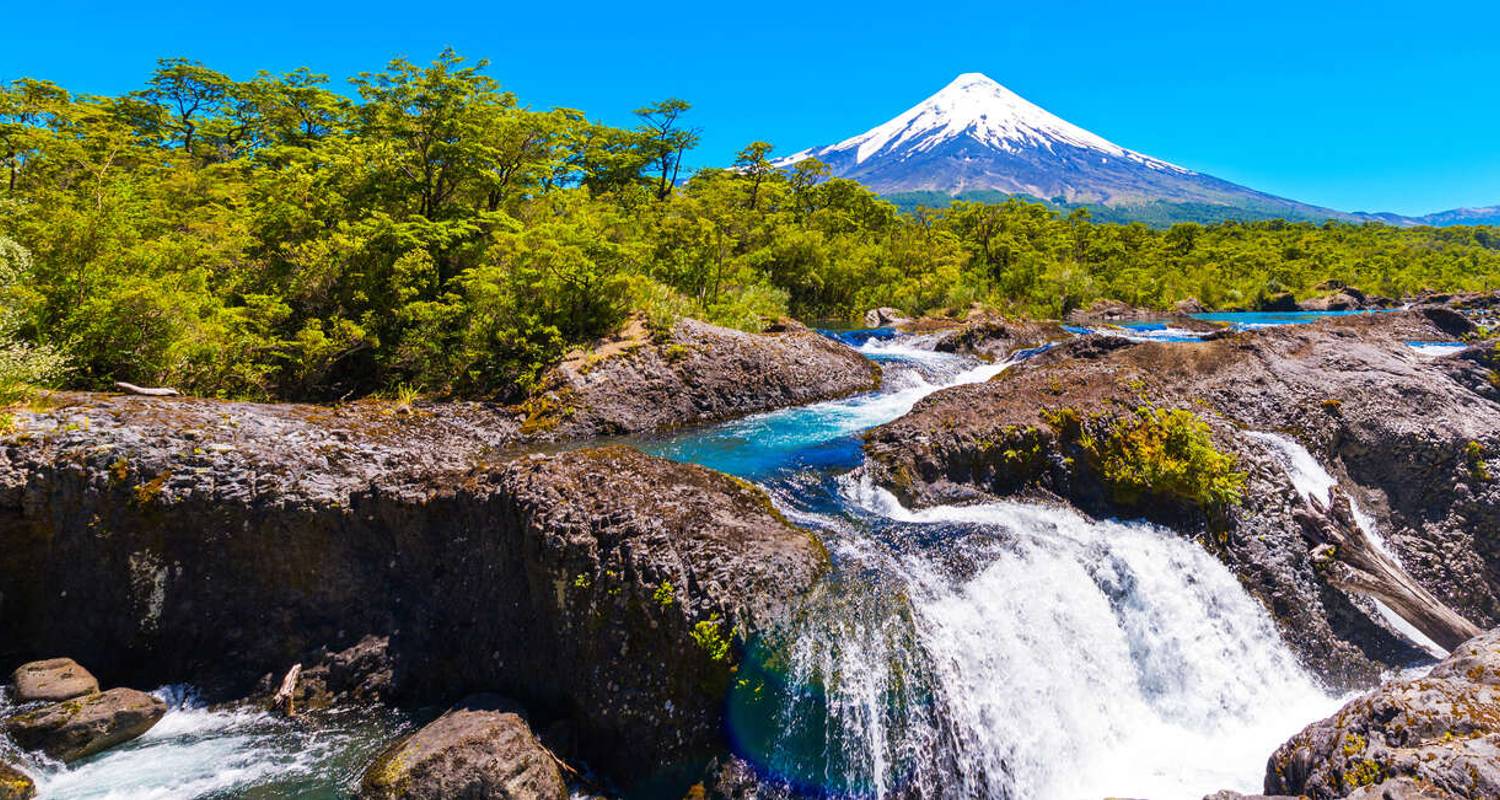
216,543
1408,434
1435,737
695,373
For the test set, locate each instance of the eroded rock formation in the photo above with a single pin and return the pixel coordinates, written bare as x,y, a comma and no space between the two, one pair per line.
1407,434
227,541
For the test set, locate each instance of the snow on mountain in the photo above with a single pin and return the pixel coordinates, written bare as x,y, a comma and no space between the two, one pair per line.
974,105
977,135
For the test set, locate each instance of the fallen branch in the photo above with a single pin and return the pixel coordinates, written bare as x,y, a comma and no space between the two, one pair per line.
148,391
283,699
1352,562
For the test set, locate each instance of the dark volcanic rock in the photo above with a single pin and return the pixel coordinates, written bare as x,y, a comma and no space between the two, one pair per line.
995,337
481,749
14,784
698,373
361,674
1435,736
1394,425
52,680
1281,301
83,726
218,542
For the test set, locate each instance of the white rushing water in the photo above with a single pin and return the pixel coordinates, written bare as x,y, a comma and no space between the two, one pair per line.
1080,659
1312,480
195,751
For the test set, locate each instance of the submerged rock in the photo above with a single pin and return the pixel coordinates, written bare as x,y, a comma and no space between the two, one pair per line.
1436,736
52,680
481,749
15,784
215,543
81,727
1407,435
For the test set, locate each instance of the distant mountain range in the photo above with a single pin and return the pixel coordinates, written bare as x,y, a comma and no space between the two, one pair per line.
976,139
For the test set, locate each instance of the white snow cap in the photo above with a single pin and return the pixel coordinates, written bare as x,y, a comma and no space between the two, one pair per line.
977,106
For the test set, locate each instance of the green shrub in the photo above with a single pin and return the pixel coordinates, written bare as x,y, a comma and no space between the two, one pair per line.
1164,453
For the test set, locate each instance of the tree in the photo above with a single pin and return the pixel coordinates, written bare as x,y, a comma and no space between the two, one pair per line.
664,141
754,164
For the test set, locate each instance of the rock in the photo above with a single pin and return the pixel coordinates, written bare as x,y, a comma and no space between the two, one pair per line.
1394,427
697,373
1278,301
884,317
1449,321
1188,306
1109,311
1437,736
52,680
232,540
480,750
1338,301
14,784
1228,795
994,337
81,727
360,674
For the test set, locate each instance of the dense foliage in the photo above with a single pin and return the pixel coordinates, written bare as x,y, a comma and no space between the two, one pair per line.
276,238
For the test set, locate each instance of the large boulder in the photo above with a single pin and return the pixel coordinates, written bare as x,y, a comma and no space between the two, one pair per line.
642,381
81,727
884,317
15,784
482,749
995,337
216,543
1408,436
51,681
1435,736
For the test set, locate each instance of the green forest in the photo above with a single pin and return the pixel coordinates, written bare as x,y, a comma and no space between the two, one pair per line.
421,228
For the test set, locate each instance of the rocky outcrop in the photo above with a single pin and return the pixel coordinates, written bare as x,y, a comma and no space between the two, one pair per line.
995,338
481,749
1437,736
694,374
51,681
218,542
1395,427
83,726
15,784
1277,301
884,317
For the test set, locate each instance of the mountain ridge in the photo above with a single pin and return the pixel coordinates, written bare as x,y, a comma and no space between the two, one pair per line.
976,137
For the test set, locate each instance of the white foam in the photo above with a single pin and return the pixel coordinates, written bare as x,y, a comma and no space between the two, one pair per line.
1311,480
1083,659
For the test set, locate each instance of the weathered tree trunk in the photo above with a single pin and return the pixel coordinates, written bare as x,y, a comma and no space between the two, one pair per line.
1352,562
284,700
148,391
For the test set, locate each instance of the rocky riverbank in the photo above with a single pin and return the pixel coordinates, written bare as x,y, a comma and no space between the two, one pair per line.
1407,434
408,555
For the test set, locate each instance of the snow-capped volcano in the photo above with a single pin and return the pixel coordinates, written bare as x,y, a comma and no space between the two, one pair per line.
976,135
977,107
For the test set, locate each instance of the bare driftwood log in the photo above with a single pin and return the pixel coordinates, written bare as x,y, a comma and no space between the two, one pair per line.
149,391
283,699
1352,562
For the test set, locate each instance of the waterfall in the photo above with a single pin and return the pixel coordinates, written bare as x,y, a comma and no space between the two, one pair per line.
1311,480
1015,650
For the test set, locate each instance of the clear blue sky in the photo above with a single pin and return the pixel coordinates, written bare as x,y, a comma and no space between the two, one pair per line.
1389,106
